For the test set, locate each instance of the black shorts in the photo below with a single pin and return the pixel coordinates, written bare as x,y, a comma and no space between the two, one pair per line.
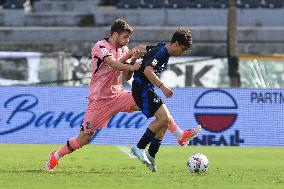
146,98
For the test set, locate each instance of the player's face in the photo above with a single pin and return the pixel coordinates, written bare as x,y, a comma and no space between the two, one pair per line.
179,49
123,39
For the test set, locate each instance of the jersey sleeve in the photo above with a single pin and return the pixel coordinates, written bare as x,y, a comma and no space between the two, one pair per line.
154,58
100,51
149,47
125,50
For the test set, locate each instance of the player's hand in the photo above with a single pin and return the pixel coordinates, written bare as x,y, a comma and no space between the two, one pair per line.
140,50
135,66
136,54
167,91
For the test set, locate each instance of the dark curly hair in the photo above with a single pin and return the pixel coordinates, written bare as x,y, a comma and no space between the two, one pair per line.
120,26
183,37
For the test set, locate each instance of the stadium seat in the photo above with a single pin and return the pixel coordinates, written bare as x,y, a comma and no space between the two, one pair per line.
109,2
176,4
13,4
248,3
219,4
199,3
2,2
273,4
128,4
153,3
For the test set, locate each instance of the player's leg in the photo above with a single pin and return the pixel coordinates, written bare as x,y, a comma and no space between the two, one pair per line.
94,119
155,144
74,144
151,105
162,120
125,103
154,148
71,145
160,123
175,130
183,137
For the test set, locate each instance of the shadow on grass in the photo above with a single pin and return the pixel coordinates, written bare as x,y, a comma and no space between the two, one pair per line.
68,171
23,171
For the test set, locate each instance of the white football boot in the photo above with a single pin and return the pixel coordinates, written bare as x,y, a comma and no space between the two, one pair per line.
141,155
152,167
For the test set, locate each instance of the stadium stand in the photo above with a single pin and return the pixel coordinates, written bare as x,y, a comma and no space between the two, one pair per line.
128,4
73,25
110,2
13,4
243,4
273,4
249,3
153,4
16,4
219,4
62,6
176,4
200,4
197,4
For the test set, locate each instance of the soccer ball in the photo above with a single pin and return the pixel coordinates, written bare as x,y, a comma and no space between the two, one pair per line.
198,163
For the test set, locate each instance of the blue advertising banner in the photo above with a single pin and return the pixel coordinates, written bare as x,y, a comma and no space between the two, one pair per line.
237,117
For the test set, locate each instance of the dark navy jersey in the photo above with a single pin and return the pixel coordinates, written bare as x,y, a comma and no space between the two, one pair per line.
157,56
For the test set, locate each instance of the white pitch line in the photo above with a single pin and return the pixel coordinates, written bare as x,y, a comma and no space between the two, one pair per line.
126,151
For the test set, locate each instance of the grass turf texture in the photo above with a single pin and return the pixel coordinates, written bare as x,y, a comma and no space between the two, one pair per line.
21,166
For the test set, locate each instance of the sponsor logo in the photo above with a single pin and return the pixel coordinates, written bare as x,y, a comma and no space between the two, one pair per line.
104,50
20,112
88,125
26,110
154,62
216,100
216,111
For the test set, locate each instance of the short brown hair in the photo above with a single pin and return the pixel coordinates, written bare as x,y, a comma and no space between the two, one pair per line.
120,26
183,37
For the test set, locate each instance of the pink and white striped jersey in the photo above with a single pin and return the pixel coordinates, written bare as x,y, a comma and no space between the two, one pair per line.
105,83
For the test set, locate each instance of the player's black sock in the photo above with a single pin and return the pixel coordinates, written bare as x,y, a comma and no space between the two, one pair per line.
146,139
154,147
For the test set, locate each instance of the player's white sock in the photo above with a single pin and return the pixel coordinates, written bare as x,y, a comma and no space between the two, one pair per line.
56,155
177,132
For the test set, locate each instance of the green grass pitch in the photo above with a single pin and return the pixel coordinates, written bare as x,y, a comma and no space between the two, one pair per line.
21,166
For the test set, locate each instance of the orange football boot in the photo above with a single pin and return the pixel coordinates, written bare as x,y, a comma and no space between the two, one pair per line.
188,135
51,162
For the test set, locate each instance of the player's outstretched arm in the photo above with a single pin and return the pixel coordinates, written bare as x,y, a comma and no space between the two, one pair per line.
153,78
128,74
137,53
119,65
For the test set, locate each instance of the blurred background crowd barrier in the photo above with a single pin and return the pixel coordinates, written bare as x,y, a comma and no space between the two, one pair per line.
60,68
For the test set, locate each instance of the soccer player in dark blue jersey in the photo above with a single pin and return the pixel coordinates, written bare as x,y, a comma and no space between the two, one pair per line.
145,80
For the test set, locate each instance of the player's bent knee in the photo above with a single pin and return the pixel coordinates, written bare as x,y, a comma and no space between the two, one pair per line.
171,119
165,120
